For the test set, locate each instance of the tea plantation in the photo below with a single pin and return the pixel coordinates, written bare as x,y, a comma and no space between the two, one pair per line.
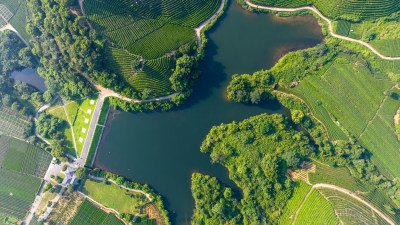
345,8
21,168
149,28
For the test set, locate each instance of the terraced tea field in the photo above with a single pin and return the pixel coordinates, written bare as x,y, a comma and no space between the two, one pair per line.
300,191
381,139
149,28
154,74
316,210
335,8
349,210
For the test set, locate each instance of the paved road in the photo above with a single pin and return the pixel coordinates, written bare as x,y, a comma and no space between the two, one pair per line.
92,127
327,20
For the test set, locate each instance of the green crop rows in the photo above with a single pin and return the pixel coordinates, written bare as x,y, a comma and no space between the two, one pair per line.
339,176
11,123
161,41
24,158
300,191
316,210
346,96
17,192
19,19
348,209
387,47
145,221
90,215
4,140
149,28
380,138
336,8
154,75
283,3
343,27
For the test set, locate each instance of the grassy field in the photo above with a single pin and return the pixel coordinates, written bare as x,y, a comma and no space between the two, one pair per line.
22,157
60,113
112,196
80,114
12,123
104,111
349,210
90,215
316,210
93,145
17,192
149,28
300,191
154,75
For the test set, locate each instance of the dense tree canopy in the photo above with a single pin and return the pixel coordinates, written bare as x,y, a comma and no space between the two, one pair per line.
256,152
290,70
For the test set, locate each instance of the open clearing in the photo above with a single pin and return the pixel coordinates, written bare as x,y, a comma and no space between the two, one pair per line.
112,196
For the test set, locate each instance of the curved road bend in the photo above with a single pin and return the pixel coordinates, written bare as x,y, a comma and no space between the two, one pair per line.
347,192
327,20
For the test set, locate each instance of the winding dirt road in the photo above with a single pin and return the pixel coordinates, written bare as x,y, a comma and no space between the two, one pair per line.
347,192
313,9
205,23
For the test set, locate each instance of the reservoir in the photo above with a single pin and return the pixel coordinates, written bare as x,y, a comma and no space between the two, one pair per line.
162,149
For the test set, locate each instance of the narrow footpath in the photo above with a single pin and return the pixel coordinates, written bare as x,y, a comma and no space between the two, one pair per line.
313,9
